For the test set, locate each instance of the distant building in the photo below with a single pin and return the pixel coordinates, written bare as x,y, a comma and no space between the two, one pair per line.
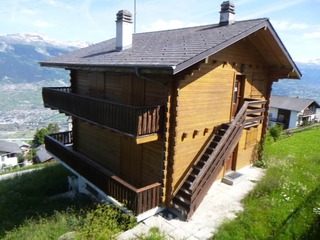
8,154
42,155
292,112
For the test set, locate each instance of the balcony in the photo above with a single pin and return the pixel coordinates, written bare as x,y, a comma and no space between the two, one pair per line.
138,200
131,120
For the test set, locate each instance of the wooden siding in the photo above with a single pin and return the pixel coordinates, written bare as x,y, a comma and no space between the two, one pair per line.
205,98
100,145
139,164
152,163
119,88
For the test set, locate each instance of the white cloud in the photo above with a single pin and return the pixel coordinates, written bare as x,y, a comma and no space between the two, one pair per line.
312,35
284,25
272,8
43,24
27,11
58,3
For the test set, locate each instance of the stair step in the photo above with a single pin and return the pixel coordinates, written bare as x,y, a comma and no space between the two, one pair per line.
217,138
197,169
181,205
193,175
208,153
254,124
213,144
183,196
232,178
201,163
185,189
224,126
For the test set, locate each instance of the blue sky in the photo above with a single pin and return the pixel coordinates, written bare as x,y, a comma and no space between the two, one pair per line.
297,22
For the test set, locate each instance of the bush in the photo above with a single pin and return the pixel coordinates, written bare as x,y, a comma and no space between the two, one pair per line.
104,222
276,131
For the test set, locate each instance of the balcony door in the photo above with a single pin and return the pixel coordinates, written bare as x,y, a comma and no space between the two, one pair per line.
237,102
238,94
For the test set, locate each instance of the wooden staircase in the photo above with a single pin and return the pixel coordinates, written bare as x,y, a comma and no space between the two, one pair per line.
205,170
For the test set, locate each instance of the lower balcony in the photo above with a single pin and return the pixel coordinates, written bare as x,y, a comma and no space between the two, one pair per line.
137,121
138,200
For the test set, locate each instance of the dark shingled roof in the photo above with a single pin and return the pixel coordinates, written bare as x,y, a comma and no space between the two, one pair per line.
173,50
9,147
290,103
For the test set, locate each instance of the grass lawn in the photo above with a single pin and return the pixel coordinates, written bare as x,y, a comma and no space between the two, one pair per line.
286,203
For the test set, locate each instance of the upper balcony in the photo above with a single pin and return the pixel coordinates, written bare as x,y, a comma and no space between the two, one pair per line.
137,121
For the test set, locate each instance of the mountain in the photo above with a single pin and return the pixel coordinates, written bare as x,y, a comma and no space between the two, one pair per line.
307,87
20,54
22,79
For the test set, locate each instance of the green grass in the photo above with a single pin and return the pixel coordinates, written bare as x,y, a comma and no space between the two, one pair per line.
285,204
29,210
18,169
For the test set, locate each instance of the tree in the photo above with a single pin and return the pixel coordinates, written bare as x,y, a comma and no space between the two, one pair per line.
53,128
38,138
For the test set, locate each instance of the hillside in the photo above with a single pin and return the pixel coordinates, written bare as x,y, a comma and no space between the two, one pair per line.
307,87
22,79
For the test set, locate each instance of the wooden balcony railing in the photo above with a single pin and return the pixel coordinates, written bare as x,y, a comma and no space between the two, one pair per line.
138,200
132,120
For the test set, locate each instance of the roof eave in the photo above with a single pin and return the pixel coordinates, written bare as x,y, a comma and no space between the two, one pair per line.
218,48
263,25
284,51
165,69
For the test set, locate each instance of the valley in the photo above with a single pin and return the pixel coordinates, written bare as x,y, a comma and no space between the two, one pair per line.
22,111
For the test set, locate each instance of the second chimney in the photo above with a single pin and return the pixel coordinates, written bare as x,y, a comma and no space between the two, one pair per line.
124,30
227,13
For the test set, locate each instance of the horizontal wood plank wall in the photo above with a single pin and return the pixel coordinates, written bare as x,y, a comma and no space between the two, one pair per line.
205,98
247,153
152,165
204,101
101,145
247,58
131,161
80,82
138,164
155,93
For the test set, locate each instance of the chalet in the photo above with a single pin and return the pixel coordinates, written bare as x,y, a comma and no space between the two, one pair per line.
159,116
8,154
292,112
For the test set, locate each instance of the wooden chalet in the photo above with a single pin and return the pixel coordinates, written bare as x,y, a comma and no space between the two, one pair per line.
159,116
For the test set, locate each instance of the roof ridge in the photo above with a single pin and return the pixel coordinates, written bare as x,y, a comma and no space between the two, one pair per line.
200,26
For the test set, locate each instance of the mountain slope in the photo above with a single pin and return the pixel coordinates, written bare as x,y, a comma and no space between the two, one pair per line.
307,87
20,54
22,79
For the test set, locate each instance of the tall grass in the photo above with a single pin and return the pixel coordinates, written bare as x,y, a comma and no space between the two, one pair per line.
286,203
29,209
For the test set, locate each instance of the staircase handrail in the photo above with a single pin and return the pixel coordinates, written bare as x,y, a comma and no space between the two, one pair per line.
239,120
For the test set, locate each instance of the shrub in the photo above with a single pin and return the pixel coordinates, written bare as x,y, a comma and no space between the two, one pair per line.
104,222
276,131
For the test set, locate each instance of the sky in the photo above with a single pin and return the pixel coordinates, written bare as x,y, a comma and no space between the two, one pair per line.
297,22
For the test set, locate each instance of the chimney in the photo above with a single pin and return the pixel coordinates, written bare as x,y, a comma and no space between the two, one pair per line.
124,30
227,13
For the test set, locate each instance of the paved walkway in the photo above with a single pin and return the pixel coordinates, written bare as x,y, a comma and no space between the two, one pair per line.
222,202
